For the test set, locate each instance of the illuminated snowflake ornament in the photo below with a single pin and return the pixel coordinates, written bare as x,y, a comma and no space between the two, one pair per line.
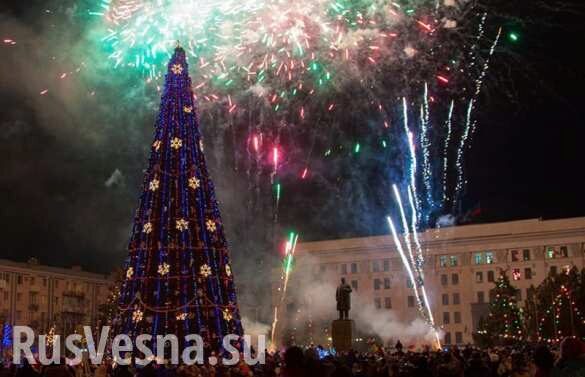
194,183
137,315
205,270
176,143
129,273
177,69
147,228
210,225
182,224
154,185
227,315
163,269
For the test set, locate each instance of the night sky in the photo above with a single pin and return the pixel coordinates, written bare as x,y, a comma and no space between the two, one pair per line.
65,203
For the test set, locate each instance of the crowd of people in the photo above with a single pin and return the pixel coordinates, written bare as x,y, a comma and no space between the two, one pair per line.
515,361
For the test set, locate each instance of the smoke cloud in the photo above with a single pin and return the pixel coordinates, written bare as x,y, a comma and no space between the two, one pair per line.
311,298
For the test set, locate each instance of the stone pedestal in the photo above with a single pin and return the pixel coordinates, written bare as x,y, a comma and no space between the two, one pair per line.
342,334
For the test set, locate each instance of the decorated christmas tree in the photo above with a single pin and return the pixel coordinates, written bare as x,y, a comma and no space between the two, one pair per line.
556,308
504,323
177,277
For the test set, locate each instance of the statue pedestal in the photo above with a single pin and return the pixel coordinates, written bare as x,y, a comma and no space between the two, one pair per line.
342,334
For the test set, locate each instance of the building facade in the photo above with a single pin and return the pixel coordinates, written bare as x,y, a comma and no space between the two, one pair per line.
43,297
461,264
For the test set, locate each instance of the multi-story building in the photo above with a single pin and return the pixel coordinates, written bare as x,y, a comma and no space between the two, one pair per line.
42,296
461,265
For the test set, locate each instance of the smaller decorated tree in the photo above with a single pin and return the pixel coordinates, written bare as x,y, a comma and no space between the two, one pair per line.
107,311
556,308
504,323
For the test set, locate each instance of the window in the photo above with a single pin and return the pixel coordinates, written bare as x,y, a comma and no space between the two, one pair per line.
56,283
453,260
344,269
444,280
456,299
445,298
490,276
550,252
386,283
518,295
479,277
354,284
515,255
489,257
386,265
18,296
480,297
18,315
492,295
526,254
443,261
354,268
446,318
458,337
6,295
527,273
377,284
457,317
556,252
477,258
19,279
553,270
411,301
378,303
32,280
322,268
375,266
388,303
454,279
516,274
447,338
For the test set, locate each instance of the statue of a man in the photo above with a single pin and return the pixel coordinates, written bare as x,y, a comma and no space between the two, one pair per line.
343,299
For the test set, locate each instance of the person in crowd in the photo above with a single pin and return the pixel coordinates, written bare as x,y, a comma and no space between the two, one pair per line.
572,360
294,362
26,370
544,361
477,367
122,371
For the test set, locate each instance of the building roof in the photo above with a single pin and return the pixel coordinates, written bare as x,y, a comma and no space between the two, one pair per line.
32,266
457,234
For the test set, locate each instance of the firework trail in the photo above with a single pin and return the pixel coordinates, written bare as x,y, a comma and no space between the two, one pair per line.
290,247
415,265
405,261
425,148
469,123
404,226
413,224
460,153
446,150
